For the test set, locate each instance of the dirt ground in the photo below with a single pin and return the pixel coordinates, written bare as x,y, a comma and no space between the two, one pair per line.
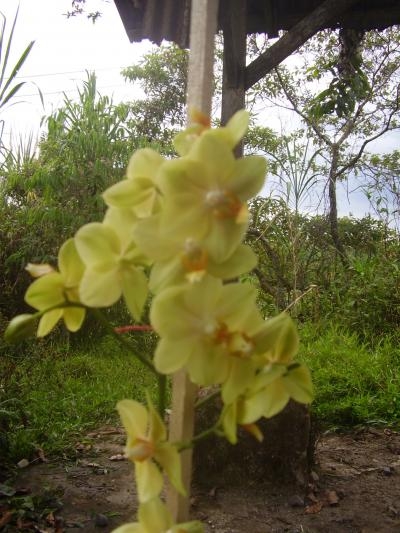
355,487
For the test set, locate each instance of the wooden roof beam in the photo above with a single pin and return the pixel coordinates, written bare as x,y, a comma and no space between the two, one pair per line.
321,17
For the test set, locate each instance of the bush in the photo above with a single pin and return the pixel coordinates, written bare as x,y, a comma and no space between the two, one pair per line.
354,383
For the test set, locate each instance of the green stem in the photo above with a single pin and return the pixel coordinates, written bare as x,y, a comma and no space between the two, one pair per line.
203,435
206,399
102,319
162,394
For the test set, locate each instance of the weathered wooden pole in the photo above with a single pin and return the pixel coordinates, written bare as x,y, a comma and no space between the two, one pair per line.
203,26
234,58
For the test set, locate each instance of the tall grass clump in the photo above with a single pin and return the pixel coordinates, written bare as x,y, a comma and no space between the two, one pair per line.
354,383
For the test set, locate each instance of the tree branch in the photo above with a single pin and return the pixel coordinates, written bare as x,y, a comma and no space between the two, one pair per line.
384,130
318,131
273,257
294,38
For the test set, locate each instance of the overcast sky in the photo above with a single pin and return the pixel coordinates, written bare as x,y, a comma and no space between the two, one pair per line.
65,48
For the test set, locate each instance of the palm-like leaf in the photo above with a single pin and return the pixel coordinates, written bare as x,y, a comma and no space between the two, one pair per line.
7,89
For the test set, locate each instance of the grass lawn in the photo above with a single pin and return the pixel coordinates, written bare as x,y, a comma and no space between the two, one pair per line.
50,397
55,395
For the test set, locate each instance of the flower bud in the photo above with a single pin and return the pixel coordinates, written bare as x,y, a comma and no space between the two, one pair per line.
21,327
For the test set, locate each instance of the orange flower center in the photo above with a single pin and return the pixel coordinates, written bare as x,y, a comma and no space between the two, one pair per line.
224,204
140,450
238,344
194,258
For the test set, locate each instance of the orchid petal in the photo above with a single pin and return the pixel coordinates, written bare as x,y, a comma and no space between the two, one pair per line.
149,480
248,176
48,321
46,291
134,289
134,417
70,263
144,163
155,516
171,355
97,244
74,317
100,288
299,385
168,457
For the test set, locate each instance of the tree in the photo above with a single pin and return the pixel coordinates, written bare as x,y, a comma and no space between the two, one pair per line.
78,7
383,186
293,167
85,149
162,76
342,121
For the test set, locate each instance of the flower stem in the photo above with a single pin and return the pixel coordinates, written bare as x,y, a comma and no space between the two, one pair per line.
103,320
207,399
133,327
162,394
201,436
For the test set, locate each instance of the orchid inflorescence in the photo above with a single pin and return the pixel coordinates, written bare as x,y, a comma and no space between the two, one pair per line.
182,220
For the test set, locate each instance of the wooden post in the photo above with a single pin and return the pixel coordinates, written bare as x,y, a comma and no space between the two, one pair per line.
203,27
234,64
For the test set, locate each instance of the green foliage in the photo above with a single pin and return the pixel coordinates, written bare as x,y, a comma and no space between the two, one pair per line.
85,149
75,390
78,7
293,160
45,199
370,305
349,84
300,268
162,75
8,89
340,97
294,252
354,384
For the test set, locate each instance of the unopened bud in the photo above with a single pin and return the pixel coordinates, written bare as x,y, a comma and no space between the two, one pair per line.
20,328
38,270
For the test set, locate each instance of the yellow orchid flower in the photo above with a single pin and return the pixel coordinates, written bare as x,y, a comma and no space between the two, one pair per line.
200,124
147,447
206,193
56,291
280,340
184,257
267,395
277,379
154,517
210,329
113,263
139,191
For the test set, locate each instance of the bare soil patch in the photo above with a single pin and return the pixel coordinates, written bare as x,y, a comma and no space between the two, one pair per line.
355,487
